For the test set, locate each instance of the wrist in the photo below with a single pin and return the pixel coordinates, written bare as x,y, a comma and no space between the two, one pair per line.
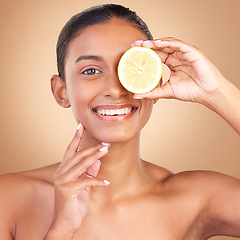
216,100
226,104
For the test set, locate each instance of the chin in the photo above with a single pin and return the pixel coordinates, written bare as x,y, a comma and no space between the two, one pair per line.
119,139
113,135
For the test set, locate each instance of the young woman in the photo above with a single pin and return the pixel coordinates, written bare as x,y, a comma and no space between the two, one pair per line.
102,189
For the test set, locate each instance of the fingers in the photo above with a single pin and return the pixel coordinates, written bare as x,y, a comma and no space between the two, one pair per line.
184,61
72,156
79,163
86,182
80,155
73,189
168,43
73,181
74,144
165,91
79,172
82,165
94,169
171,46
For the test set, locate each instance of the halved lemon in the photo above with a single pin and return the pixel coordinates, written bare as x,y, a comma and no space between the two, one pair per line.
140,69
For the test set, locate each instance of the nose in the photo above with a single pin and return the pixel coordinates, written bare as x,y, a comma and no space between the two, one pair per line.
113,88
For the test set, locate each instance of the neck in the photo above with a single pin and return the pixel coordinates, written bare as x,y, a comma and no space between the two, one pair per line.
123,168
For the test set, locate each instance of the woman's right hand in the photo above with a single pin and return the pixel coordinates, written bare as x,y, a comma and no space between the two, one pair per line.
72,183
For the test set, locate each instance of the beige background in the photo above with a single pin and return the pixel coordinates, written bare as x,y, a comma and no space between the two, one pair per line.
180,136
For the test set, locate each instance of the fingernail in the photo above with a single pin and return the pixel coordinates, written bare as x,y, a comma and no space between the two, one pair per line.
136,42
106,182
103,149
147,41
137,97
139,41
105,144
79,126
157,41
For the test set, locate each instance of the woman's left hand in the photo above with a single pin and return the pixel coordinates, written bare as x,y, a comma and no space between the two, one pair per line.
193,77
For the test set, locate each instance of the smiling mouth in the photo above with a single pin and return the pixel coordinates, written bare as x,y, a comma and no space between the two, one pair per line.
114,111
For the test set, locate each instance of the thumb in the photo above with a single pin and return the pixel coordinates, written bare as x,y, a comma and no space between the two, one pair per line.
164,91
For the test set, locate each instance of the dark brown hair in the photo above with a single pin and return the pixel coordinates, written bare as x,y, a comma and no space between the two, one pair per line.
92,16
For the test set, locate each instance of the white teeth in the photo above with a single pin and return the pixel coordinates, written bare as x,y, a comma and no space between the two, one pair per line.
119,111
111,112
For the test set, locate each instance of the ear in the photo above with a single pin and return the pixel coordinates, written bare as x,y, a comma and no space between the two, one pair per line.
59,91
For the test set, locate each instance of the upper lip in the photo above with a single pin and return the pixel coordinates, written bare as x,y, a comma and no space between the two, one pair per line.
114,107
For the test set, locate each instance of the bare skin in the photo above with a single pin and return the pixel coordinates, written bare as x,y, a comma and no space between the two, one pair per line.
71,200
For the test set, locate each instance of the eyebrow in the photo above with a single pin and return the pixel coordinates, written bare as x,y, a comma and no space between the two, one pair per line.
89,57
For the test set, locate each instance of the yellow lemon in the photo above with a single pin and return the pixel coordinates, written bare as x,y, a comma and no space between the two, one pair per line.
140,69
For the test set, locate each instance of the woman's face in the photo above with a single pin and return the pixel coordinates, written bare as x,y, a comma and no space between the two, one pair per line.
98,100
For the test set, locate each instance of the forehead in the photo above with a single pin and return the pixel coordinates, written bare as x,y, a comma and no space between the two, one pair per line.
113,37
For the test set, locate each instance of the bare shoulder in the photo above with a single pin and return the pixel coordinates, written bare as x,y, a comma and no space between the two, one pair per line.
187,179
209,201
214,197
15,184
14,181
207,189
200,181
21,192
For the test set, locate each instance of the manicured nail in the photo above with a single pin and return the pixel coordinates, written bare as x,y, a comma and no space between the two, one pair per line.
79,126
105,144
136,42
147,41
137,97
157,41
103,149
106,182
139,41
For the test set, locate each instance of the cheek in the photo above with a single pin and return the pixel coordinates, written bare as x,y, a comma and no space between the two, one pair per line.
81,96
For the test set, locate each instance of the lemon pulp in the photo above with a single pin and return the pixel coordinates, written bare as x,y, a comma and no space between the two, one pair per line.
140,69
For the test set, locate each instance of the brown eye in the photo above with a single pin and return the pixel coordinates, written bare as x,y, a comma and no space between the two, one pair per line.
91,71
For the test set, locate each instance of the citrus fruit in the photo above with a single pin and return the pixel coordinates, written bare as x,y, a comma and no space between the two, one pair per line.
140,69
